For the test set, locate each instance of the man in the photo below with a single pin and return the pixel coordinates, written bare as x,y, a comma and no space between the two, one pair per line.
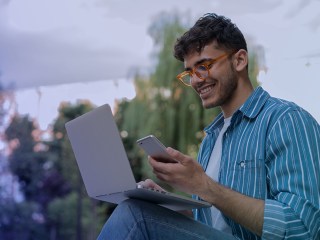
258,163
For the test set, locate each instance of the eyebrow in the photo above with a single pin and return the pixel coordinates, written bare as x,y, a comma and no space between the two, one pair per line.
198,63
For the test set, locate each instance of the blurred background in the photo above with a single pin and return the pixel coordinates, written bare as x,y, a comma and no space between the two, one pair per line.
60,59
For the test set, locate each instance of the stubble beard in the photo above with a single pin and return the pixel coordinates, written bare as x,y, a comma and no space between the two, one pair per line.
227,88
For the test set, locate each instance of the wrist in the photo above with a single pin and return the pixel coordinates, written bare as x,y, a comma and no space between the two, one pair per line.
209,190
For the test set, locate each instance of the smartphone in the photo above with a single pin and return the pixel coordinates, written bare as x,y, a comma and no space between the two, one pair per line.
154,148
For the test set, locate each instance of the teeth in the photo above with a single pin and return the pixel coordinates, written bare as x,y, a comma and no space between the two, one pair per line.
205,90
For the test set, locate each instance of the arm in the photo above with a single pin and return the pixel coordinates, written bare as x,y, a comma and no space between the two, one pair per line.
244,210
189,176
293,166
293,177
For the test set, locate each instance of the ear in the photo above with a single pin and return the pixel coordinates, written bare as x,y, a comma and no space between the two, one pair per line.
240,60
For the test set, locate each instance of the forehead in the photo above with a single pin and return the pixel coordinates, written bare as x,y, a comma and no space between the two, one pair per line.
210,51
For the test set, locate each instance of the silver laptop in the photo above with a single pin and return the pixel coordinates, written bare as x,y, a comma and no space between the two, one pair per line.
104,166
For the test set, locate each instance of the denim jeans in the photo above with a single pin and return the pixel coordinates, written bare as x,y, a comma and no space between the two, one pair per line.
136,219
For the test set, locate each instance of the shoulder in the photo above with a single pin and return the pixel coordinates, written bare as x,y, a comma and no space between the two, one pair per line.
268,111
281,115
279,109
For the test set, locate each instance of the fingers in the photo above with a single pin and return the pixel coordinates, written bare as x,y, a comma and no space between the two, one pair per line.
162,176
148,183
159,166
175,154
186,175
178,155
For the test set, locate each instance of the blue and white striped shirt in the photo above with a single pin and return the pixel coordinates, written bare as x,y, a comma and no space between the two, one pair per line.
271,151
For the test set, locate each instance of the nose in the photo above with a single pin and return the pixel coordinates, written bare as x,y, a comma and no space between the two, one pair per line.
196,78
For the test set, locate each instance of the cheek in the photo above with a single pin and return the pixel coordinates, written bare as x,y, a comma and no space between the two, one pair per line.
194,87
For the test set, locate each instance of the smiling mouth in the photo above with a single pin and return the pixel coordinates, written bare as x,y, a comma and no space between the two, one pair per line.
206,90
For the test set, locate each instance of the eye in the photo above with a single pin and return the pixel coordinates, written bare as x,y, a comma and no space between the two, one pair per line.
209,63
202,68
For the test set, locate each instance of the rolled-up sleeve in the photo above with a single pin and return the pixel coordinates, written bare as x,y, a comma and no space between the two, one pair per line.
293,167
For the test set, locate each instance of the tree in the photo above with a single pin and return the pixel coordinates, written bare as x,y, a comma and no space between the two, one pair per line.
50,181
48,173
25,163
18,220
21,221
163,106
6,107
84,216
28,166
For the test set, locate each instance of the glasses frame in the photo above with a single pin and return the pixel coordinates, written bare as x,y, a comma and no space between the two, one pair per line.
207,65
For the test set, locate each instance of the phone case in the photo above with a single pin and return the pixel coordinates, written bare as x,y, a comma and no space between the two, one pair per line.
154,148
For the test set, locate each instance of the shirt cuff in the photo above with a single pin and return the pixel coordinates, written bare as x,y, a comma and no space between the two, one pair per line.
274,225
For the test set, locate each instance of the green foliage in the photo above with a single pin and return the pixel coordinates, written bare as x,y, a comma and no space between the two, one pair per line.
63,216
25,163
163,106
83,211
59,145
47,171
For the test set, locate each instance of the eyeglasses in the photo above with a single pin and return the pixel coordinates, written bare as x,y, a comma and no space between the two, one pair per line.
201,70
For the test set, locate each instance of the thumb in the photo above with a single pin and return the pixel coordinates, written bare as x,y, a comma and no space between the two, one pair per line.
180,157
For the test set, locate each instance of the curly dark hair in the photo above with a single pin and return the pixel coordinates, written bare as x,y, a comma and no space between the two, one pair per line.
211,27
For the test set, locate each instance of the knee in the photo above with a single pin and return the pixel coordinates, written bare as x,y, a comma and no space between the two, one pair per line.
128,210
132,204
127,214
125,217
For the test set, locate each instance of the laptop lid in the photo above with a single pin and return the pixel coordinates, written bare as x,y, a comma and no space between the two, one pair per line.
100,153
104,166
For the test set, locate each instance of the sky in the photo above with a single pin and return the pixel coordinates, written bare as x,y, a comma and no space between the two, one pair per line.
56,50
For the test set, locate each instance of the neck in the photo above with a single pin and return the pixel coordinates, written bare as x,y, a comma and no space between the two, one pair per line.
241,94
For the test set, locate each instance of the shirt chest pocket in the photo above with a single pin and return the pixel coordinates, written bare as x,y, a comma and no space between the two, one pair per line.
247,176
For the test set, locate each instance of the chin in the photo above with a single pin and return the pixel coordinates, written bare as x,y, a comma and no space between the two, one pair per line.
208,105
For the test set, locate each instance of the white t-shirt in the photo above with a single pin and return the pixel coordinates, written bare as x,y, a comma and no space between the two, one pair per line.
212,171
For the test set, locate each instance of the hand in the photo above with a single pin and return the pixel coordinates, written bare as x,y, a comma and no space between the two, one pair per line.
187,175
148,183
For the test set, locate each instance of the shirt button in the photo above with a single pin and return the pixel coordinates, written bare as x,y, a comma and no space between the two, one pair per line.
242,164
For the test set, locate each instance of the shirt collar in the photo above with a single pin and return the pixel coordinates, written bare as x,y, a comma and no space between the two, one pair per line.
254,103
250,109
